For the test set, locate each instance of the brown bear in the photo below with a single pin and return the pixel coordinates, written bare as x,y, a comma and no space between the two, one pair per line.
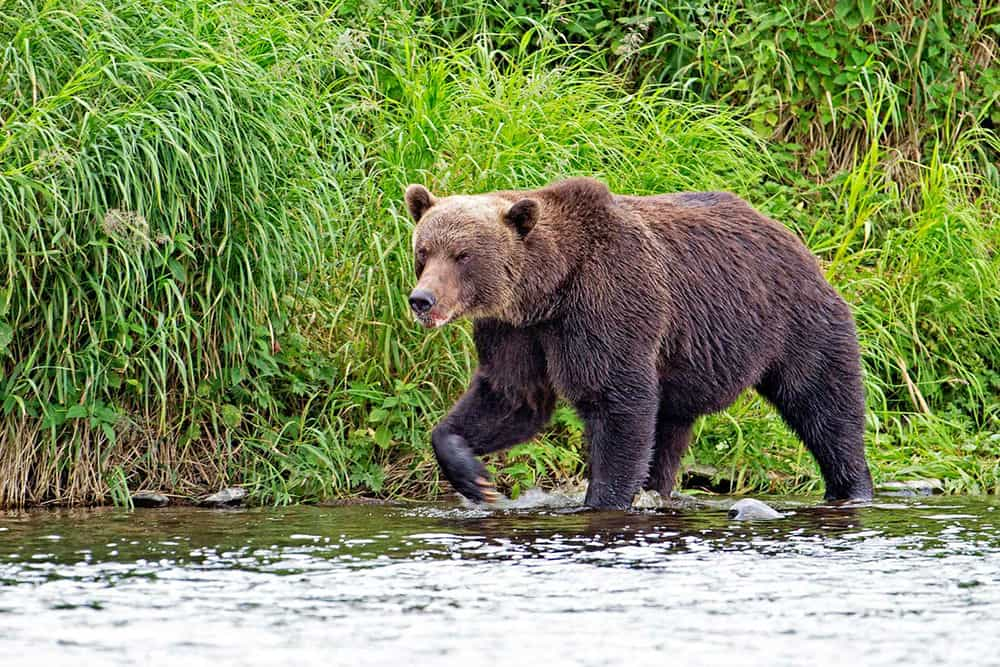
643,313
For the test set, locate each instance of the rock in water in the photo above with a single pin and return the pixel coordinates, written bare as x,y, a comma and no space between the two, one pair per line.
709,478
749,509
646,499
149,499
913,487
225,498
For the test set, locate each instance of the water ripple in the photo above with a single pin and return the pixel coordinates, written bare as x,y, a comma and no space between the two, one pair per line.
537,580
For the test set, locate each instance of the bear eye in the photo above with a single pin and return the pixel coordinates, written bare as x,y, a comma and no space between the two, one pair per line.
422,255
463,257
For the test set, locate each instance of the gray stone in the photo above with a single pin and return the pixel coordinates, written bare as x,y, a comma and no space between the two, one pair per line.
225,498
912,487
749,509
149,499
706,477
646,499
701,470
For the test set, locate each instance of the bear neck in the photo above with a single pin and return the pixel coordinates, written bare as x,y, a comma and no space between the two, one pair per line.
576,216
545,270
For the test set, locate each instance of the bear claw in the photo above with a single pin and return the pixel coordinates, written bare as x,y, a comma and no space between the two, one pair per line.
487,490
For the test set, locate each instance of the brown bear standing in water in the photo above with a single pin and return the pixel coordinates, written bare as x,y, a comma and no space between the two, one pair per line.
643,313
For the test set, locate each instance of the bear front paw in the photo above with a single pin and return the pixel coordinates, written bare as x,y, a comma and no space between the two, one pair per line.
461,467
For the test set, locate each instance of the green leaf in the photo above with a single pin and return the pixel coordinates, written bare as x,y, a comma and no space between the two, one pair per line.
53,418
177,270
378,415
383,436
105,413
867,10
822,48
231,415
9,403
6,336
76,412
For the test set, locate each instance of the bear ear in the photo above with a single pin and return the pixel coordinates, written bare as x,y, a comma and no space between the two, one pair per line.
418,200
522,216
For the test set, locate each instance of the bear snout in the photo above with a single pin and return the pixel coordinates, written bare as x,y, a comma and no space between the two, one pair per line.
421,301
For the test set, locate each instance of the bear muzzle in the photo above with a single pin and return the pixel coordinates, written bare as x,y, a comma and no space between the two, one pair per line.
422,303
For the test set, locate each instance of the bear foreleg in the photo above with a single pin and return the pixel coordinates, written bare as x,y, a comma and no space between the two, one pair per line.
621,434
673,436
485,420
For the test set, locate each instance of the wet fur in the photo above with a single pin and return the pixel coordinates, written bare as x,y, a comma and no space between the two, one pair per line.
645,313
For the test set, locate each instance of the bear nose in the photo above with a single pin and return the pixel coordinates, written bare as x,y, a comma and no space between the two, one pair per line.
421,301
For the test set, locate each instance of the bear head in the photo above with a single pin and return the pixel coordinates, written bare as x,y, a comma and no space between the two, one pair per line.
468,254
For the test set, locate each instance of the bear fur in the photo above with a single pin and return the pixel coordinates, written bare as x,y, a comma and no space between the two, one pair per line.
643,313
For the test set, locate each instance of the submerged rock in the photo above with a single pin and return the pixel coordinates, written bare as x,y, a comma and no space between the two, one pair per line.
707,478
749,509
913,487
149,499
536,498
229,497
647,499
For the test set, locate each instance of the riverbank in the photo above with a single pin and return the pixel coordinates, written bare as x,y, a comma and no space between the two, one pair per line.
205,252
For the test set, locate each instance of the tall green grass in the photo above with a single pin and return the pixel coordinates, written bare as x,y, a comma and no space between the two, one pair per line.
161,192
802,66
205,255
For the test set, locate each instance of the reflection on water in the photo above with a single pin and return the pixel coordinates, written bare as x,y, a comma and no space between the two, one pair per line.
911,582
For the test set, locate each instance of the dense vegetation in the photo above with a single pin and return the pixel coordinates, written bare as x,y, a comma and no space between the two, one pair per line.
204,256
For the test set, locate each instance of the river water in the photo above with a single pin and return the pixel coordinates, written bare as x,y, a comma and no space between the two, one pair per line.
902,582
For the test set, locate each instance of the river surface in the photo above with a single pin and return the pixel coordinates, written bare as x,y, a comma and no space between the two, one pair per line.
910,581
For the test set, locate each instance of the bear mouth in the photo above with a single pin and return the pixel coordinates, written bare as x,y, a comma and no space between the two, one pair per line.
434,320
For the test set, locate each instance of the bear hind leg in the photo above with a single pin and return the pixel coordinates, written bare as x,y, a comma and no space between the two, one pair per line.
827,411
673,436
